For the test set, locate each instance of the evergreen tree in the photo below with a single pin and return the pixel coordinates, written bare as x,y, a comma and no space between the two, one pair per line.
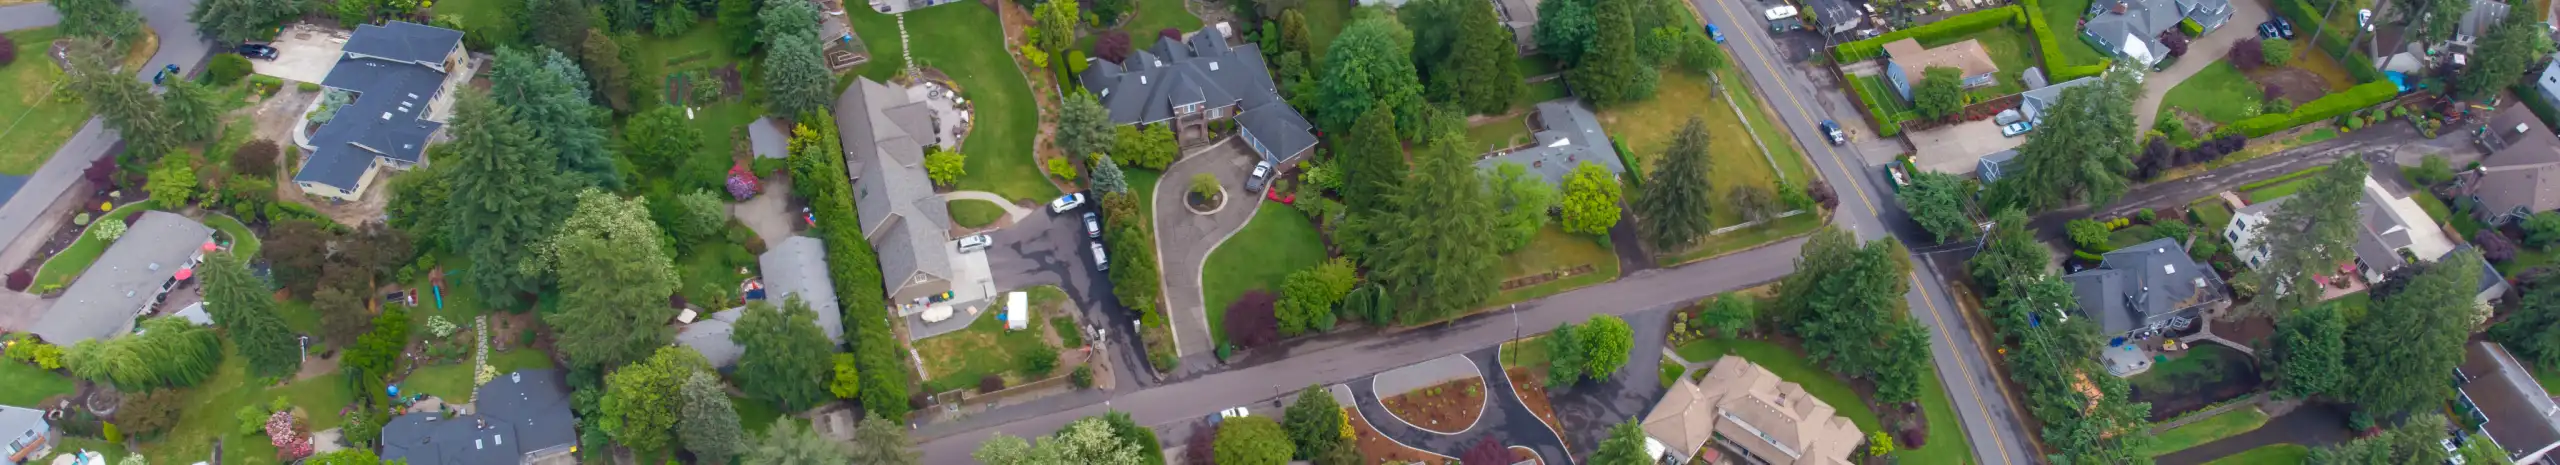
1436,247
97,19
1565,29
191,109
1676,199
1107,176
707,424
606,71
2533,329
2417,332
1084,127
796,79
1372,161
787,359
242,305
505,197
2309,344
549,95
558,24
660,140
2314,230
1937,201
739,25
1565,357
2011,253
1625,444
878,441
2083,156
2504,56
140,118
1611,72
1846,301
1479,60
1314,421
230,21
612,295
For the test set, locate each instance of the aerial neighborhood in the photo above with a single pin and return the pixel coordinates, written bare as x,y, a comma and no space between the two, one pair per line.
1267,232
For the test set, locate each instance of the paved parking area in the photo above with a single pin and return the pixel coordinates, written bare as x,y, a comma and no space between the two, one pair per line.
1957,148
304,53
1045,248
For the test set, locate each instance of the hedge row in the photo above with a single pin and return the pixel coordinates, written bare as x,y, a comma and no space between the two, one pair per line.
1943,30
2326,107
2532,97
2057,68
819,174
2330,39
1888,124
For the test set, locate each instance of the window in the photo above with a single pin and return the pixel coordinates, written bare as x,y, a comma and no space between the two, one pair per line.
2235,235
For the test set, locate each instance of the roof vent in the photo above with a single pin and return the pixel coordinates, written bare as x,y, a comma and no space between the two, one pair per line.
1142,80
475,444
516,377
499,439
155,266
1213,66
2520,128
386,116
2169,269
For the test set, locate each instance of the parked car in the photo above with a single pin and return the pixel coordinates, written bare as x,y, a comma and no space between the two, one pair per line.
165,73
2267,30
975,243
1261,177
2014,129
1092,224
1068,202
2364,19
258,51
1712,33
2284,27
1100,262
1831,130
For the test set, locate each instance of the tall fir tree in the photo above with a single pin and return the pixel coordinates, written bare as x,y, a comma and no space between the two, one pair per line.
242,305
1675,202
506,196
1612,72
549,95
1437,248
2315,229
191,111
2084,157
140,118
1480,61
2417,331
706,423
2309,351
612,295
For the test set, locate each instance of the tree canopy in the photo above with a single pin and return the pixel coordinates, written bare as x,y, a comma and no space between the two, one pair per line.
788,443
2309,351
549,95
641,401
1611,71
1677,197
2314,229
705,422
1314,421
1370,65
243,306
2084,154
505,196
659,140
1937,200
1252,441
1436,247
1084,127
787,359
613,294
1523,198
1846,301
1565,29
1939,93
2415,331
2533,329
2504,56
2010,253
1591,196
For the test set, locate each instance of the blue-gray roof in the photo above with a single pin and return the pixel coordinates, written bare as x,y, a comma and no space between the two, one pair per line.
1147,86
1990,167
122,283
386,119
404,41
515,415
2142,285
768,139
1570,138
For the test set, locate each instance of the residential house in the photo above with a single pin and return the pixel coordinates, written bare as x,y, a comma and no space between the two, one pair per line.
159,251
1908,63
1752,414
2512,408
2493,286
2549,82
885,134
2521,175
522,418
2033,103
2391,232
1991,167
2147,288
393,70
1835,18
31,437
1521,17
796,267
1191,82
1566,135
2130,29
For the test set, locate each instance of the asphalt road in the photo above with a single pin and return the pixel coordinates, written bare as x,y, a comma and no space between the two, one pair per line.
180,44
1991,422
1051,248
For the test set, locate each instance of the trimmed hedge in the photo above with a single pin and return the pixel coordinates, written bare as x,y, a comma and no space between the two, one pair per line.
2324,108
854,269
1944,29
1626,158
1887,124
2057,69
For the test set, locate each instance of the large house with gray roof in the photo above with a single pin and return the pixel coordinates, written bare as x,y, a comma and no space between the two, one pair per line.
393,70
521,417
1191,82
1565,135
885,134
2147,288
2520,177
2130,29
2033,103
2513,410
156,253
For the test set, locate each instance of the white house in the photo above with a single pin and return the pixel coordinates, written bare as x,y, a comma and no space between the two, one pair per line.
2393,231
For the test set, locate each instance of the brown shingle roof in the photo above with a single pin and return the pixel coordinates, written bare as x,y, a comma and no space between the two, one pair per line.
1966,56
1777,420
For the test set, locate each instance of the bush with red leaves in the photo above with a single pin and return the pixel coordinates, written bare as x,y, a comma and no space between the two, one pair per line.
1170,33
1202,446
1113,46
2246,54
1821,193
18,280
8,51
1485,451
1250,321
2493,246
101,173
990,383
255,158
2177,42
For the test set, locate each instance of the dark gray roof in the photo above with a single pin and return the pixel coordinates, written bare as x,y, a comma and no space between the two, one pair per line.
884,135
518,414
1572,136
710,337
798,266
404,41
2033,102
1203,68
1836,16
101,304
2521,414
2489,277
387,119
2143,285
2142,20
2380,237
769,139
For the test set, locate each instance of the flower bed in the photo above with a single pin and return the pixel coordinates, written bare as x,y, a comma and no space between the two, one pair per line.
1447,408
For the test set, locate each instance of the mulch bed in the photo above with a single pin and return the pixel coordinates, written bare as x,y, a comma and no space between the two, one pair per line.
1374,446
1203,203
1531,386
1448,408
2295,85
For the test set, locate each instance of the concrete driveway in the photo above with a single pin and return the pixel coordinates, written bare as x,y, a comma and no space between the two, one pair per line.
1955,148
2245,16
180,45
1184,239
304,53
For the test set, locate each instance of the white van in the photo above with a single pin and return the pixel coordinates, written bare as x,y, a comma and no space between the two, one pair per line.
1100,263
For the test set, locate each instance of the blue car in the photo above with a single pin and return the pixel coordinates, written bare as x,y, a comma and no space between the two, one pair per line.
1712,33
165,73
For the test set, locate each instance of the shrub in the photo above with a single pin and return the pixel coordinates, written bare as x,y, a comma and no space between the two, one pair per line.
2495,246
2146,216
1082,377
1958,26
226,69
307,87
2324,108
2432,170
1038,362
945,166
1062,168
990,383
1250,321
2089,235
19,280
2275,52
256,158
8,51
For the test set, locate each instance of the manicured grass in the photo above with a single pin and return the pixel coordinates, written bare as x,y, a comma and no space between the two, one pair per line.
1745,238
2317,135
489,16
25,384
454,380
1795,368
2130,236
2278,454
713,266
1556,250
1279,241
210,405
2224,425
1947,438
968,44
74,259
244,244
33,123
758,415
2278,190
958,359
972,213
2210,213
1671,372
1782,148
1531,352
2218,93
72,444
2063,17
1648,127
2549,378
1325,20
1532,93
1500,133
1532,65
1151,16
2436,209
1142,183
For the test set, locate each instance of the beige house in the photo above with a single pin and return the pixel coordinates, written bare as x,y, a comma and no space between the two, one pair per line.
1751,414
393,71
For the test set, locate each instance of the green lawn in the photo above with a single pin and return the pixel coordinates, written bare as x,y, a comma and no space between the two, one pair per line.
2435,207
1279,241
958,359
758,415
1647,128
2225,425
25,384
1671,372
972,213
968,44
210,408
2279,454
73,444
2278,190
2063,17
244,244
2549,378
1152,16
2210,213
1555,250
453,380
1500,133
33,123
1325,20
1532,93
1531,352
1745,238
2130,236
711,268
68,264
485,16
1533,65
1142,183
1782,146
2218,93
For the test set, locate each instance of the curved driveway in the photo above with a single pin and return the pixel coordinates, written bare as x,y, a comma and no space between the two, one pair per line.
1505,419
1184,239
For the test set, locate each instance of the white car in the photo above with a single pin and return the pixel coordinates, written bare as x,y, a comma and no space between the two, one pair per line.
1233,413
1068,202
975,243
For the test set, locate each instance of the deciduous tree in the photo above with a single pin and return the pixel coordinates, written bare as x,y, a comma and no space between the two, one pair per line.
1607,342
1151,147
739,25
786,358
788,443
1676,199
1591,195
1939,93
2011,252
2312,231
660,139
1307,296
1251,321
167,353
1624,446
1565,29
1523,199
613,295
1252,441
641,401
1370,65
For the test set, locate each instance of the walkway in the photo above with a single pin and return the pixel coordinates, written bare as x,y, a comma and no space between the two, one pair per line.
180,45
1184,239
1506,420
1012,213
2201,52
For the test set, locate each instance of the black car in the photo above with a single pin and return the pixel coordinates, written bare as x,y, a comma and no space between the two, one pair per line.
258,51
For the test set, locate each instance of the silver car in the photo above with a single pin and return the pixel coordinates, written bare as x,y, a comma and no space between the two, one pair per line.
975,243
